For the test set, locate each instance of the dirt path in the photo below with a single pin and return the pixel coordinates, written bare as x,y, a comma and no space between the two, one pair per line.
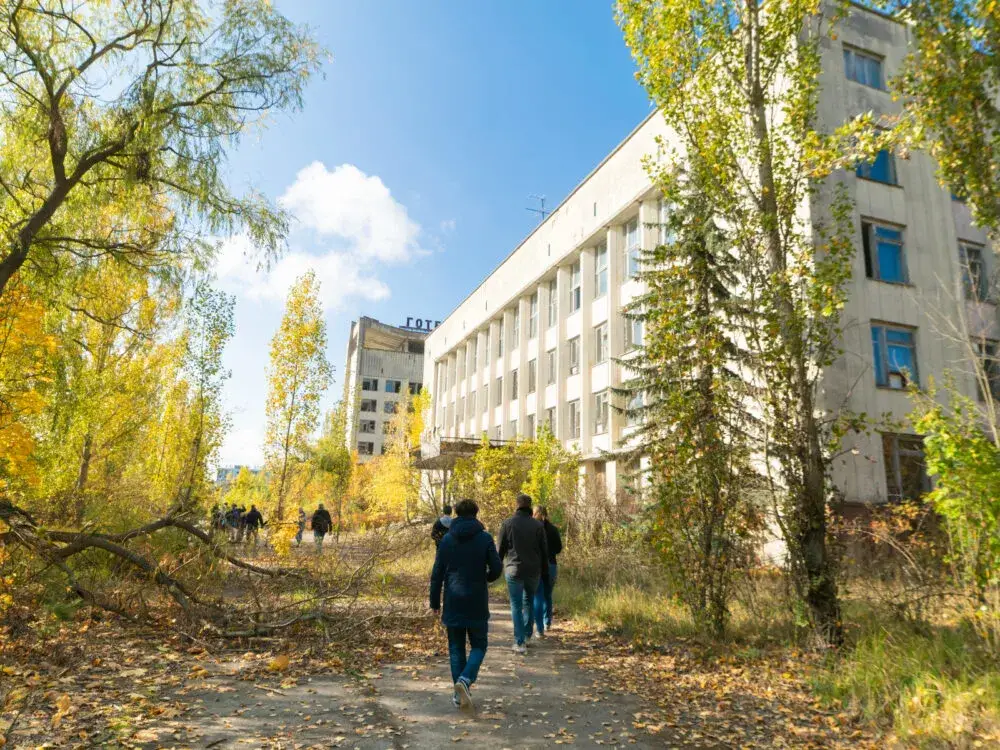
543,699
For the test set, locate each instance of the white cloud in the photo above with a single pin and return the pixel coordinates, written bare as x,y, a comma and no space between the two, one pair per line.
355,209
353,225
340,274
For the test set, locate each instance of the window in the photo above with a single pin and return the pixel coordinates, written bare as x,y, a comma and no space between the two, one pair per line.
553,302
634,332
601,271
472,404
461,409
531,426
601,343
367,425
515,336
474,351
574,355
989,362
574,287
415,347
601,410
499,391
513,429
550,419
632,251
393,386
415,388
389,407
633,412
550,367
863,67
905,472
533,316
573,419
369,404
366,448
532,375
885,258
974,280
498,432
370,384
485,398
514,383
386,426
500,337
895,352
665,235
486,347
883,169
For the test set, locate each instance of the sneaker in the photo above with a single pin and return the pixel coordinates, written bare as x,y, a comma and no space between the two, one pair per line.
455,701
541,635
519,648
463,695
529,641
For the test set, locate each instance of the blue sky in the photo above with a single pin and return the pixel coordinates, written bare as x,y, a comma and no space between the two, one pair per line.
409,167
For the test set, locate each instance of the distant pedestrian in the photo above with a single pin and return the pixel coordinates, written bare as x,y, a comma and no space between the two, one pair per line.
302,527
543,597
465,564
321,525
441,525
253,522
525,556
241,527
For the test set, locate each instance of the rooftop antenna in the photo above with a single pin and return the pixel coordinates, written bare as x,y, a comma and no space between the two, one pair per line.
541,206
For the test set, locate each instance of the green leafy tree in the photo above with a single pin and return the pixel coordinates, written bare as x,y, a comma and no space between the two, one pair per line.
737,84
553,474
298,375
690,401
115,122
334,461
948,85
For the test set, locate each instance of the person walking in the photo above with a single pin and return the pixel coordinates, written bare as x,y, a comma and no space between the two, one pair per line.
543,597
302,527
441,526
321,525
525,556
253,522
465,564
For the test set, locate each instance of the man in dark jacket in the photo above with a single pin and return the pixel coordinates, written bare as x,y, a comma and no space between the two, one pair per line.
253,521
321,525
543,597
525,556
441,526
465,564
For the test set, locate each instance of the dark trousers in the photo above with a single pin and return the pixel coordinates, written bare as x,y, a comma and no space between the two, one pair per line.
463,665
543,600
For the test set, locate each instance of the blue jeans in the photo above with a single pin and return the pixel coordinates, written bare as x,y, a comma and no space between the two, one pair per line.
462,666
543,601
522,596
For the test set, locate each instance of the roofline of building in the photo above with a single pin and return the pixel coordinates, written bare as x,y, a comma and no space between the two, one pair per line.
853,3
554,211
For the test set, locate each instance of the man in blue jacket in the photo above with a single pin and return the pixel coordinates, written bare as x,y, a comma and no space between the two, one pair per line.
466,563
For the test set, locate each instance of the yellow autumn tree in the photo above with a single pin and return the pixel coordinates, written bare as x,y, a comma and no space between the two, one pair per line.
24,348
298,375
393,492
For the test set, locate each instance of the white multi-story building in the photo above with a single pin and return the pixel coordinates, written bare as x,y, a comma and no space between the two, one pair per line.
383,364
538,339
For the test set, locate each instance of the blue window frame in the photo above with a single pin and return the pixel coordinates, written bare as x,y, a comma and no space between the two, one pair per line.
885,253
883,169
863,67
895,355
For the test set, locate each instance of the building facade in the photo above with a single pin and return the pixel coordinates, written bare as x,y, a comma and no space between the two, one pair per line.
384,362
538,339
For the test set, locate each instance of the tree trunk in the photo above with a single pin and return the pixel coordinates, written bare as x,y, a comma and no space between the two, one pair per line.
80,506
808,499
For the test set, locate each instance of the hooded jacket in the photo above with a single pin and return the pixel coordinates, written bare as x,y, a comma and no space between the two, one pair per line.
465,564
523,546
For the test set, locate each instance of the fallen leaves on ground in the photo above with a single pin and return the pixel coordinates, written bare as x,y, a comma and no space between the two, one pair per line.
710,699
